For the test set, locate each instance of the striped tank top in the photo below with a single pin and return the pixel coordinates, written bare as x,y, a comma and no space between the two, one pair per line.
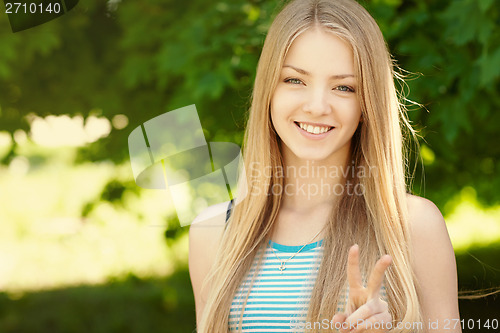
278,300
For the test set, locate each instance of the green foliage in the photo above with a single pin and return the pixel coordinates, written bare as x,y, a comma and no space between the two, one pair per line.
142,59
131,305
478,273
455,46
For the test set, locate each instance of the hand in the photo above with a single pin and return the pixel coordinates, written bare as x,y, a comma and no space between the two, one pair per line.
364,306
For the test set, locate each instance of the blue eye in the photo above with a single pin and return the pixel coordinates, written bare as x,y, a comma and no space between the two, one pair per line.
293,81
345,88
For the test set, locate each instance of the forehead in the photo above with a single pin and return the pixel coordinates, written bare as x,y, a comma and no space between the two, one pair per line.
319,51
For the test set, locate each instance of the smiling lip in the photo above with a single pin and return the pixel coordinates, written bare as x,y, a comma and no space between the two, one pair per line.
312,124
311,135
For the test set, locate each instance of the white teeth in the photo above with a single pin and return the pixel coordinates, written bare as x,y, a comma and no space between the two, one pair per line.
314,129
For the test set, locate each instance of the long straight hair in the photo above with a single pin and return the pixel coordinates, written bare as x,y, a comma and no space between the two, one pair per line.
377,219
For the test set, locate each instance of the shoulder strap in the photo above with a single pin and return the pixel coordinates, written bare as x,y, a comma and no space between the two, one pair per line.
229,209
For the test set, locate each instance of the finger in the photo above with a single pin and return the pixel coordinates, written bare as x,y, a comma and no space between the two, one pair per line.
339,318
367,310
341,324
353,272
379,322
377,276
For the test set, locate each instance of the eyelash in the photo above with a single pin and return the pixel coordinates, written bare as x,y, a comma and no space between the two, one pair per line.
297,81
349,89
289,80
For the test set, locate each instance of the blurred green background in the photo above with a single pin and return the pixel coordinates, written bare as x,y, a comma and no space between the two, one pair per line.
84,249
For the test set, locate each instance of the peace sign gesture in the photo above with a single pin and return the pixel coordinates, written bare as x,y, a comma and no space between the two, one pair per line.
365,311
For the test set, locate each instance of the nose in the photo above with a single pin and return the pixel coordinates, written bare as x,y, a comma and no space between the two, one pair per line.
316,102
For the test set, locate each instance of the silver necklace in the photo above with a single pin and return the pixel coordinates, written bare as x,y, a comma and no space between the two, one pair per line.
283,262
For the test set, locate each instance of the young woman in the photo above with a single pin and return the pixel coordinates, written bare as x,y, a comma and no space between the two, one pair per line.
326,237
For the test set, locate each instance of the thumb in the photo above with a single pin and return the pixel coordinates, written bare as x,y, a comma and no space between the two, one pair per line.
338,319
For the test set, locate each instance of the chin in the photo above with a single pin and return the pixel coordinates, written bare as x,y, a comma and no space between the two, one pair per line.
311,156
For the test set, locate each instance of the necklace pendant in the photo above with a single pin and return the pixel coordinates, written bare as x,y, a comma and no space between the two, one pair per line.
282,267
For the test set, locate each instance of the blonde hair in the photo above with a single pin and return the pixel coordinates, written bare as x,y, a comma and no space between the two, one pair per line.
377,220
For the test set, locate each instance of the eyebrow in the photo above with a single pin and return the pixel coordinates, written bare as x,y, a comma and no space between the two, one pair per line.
301,71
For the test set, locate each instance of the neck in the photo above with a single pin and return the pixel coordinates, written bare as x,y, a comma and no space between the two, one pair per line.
310,184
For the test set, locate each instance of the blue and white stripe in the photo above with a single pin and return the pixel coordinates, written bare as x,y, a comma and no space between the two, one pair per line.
278,301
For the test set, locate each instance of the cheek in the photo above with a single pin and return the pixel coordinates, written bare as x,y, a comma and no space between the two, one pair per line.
276,113
279,107
273,112
273,117
351,113
285,100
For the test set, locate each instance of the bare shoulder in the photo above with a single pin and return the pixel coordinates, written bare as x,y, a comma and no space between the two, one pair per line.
423,211
204,239
427,225
205,231
214,215
434,260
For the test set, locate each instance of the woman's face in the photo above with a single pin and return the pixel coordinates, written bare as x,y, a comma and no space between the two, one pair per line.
315,109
